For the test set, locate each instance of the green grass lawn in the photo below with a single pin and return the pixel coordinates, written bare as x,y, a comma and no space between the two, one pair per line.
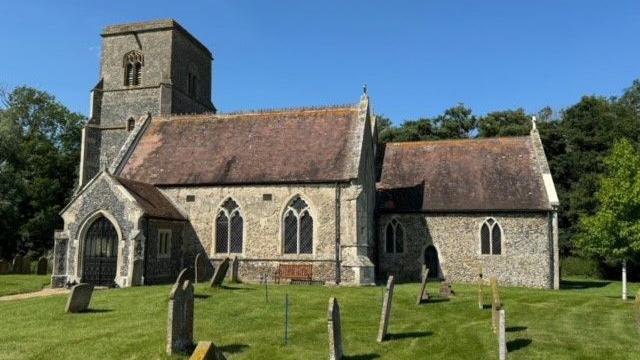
17,284
585,321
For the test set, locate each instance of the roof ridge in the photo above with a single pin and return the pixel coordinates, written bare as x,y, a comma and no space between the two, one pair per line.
265,111
418,142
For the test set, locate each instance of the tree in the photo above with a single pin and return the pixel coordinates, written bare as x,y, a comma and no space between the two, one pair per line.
505,123
613,232
39,155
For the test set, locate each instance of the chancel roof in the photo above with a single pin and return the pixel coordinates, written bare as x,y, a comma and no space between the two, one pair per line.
462,175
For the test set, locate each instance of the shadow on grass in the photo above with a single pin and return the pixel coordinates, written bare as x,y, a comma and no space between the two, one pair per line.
515,328
517,344
409,335
580,285
233,348
201,296
96,311
227,287
434,300
485,306
361,357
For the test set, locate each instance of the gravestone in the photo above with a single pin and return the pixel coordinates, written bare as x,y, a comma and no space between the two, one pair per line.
335,330
423,295
206,350
502,336
184,275
199,268
42,266
180,317
445,290
79,298
496,305
234,269
17,264
5,267
26,265
220,273
480,291
386,310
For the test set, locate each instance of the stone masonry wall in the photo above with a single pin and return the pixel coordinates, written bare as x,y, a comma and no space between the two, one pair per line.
159,270
262,225
525,258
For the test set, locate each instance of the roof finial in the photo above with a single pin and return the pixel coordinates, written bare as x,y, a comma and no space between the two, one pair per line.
533,123
364,89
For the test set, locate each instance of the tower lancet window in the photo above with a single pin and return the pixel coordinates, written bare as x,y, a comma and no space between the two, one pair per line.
133,62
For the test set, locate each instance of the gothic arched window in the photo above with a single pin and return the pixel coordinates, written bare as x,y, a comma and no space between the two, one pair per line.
229,228
132,63
298,228
394,237
491,237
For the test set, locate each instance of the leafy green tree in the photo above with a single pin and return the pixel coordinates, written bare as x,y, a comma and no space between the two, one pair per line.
457,122
39,155
505,123
613,232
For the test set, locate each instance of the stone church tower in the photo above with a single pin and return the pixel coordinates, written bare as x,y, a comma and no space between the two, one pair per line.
153,68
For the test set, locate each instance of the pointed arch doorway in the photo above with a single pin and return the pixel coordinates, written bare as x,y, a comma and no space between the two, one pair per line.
432,262
100,253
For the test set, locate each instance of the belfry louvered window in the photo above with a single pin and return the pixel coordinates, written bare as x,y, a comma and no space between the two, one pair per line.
394,237
132,63
229,228
298,228
491,237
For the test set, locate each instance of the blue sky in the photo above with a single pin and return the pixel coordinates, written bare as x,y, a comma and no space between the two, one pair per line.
417,57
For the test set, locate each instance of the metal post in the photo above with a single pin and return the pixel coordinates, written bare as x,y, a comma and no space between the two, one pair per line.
286,318
266,288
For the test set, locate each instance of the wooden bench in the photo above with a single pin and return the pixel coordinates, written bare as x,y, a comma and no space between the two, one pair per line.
295,273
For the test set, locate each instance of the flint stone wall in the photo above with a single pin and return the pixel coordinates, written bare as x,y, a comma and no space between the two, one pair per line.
526,248
263,226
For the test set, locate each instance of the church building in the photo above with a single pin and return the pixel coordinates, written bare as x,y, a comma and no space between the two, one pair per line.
164,177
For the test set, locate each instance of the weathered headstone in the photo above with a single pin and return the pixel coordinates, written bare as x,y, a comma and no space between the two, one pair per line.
480,291
386,310
17,264
220,273
423,295
335,330
184,275
79,298
445,290
502,336
206,350
199,268
234,269
5,267
42,266
26,265
180,317
496,305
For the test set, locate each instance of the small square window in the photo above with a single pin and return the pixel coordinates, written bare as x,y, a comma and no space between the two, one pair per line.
191,198
164,243
267,197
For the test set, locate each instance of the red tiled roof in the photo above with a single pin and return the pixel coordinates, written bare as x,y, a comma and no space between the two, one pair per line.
300,145
152,201
462,175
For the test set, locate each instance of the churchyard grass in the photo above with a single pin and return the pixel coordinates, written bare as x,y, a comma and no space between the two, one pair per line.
586,320
16,284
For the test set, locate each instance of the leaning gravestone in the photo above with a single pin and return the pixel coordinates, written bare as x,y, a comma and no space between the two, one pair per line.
79,298
17,264
423,295
206,350
234,269
220,273
445,290
26,265
5,267
184,275
199,268
480,291
502,336
335,330
180,317
386,310
42,266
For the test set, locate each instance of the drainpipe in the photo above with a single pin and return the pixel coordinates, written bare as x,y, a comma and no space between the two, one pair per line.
338,249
